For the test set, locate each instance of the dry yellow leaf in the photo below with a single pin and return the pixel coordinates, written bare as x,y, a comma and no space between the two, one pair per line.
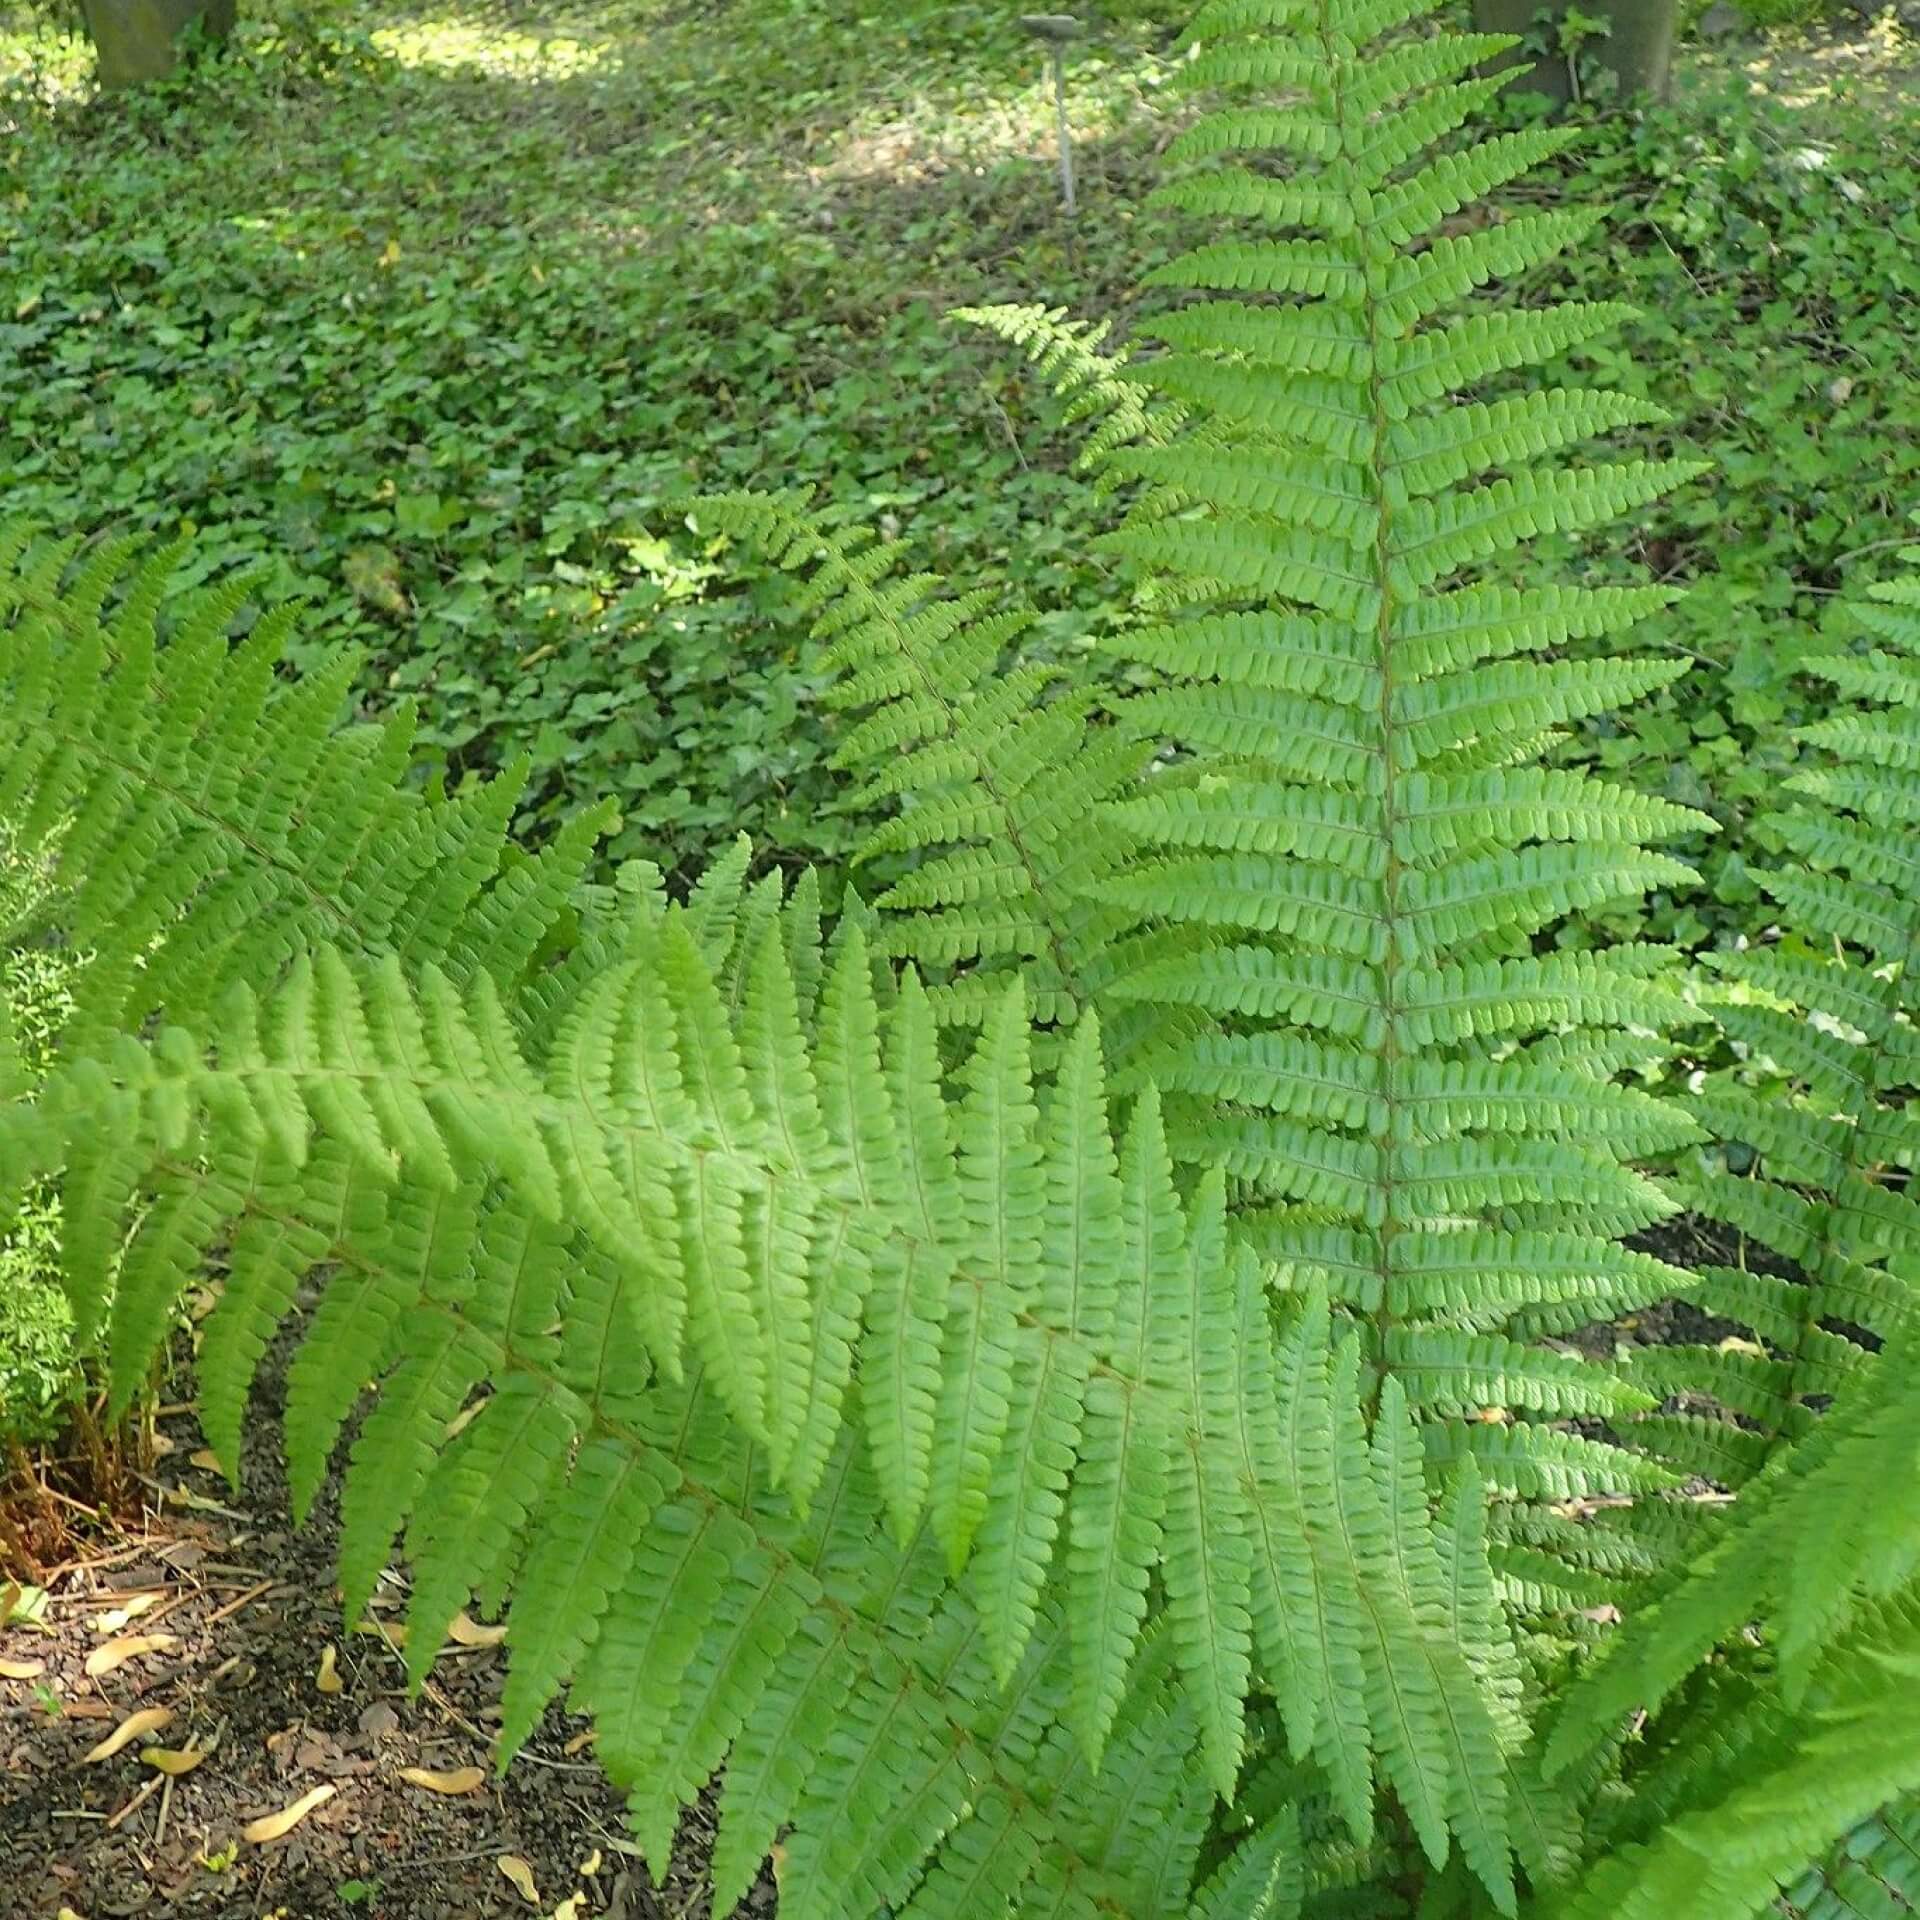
147,1720
469,1633
462,1420
590,1865
582,1741
1734,1344
460,1780
129,1609
22,1669
206,1460
128,1647
521,1875
274,1826
328,1678
174,1760
66,1913
395,1636
569,1908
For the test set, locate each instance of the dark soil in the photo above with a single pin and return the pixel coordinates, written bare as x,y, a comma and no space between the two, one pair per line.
251,1607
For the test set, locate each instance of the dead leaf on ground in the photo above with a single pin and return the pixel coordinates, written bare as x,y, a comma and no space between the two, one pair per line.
469,1633
147,1720
22,1669
206,1460
129,1646
174,1760
521,1875
590,1865
569,1908
395,1636
459,1780
328,1680
581,1741
378,1719
275,1826
129,1610
462,1420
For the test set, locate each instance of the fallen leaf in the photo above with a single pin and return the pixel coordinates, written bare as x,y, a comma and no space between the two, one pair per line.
274,1826
130,1646
198,1503
174,1760
569,1908
147,1720
66,1913
462,1420
22,1669
590,1865
328,1680
460,1780
468,1633
22,1605
1734,1344
378,1719
581,1741
521,1875
129,1610
206,1460
393,1636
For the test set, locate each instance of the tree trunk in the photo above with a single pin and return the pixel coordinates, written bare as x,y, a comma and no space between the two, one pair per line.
139,40
1639,50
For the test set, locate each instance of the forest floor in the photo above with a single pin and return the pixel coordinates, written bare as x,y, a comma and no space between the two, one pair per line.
226,1621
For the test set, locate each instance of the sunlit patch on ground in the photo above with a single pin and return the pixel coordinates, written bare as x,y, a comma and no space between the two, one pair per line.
453,42
1845,61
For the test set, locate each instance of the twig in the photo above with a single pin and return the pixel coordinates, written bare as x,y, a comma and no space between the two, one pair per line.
1875,546
139,1800
233,1606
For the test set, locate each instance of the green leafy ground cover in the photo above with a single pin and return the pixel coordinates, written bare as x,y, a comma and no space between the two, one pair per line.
432,317
434,320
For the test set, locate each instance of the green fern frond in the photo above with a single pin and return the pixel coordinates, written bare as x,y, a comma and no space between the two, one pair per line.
1347,851
1092,380
1831,1007
994,781
208,822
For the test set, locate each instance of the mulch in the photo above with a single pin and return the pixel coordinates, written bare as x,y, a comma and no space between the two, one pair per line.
240,1610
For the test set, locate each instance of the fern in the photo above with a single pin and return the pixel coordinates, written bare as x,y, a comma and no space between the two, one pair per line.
1090,380
1829,1006
719,1285
994,778
1050,1390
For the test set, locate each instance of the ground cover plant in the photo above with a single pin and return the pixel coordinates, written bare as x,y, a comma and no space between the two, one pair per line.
500,298
1064,1388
